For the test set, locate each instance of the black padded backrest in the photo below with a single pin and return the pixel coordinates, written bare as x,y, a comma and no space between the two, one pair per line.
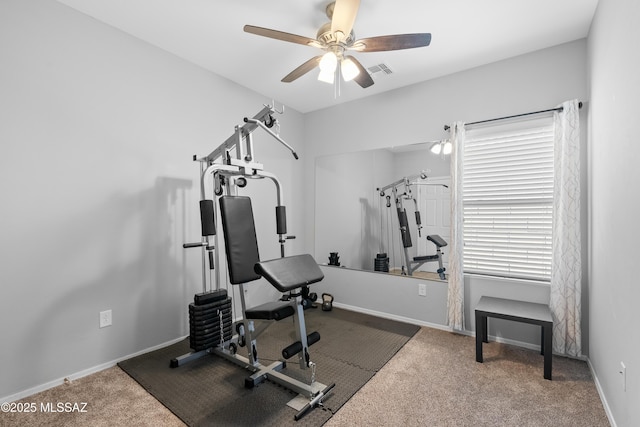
404,228
240,240
290,272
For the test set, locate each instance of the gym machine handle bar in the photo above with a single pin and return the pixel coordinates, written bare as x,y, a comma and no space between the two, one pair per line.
263,126
314,402
197,245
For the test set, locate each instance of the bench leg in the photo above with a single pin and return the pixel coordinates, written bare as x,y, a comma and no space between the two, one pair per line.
481,322
547,331
485,329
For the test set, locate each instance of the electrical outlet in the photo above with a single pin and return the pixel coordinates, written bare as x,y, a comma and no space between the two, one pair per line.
422,289
623,373
105,318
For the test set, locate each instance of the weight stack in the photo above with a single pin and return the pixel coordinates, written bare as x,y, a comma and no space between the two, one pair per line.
210,320
381,263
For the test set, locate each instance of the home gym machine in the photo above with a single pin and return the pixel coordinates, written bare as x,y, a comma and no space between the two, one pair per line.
404,193
224,171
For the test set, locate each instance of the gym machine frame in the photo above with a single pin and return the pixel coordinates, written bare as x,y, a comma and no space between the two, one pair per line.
412,264
230,172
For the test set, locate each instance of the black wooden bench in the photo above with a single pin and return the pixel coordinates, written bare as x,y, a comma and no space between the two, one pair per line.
519,311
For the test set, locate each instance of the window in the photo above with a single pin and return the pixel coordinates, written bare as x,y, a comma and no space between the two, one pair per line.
508,199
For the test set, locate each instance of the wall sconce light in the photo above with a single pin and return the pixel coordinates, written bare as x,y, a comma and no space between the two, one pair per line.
443,147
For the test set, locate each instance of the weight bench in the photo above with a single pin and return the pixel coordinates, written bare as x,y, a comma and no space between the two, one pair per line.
419,260
288,275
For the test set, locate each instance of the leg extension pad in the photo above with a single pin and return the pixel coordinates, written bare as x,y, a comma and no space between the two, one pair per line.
296,347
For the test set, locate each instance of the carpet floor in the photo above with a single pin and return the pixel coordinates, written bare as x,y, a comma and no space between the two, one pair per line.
433,380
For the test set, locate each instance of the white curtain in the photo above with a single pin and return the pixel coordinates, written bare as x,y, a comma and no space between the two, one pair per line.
566,269
455,298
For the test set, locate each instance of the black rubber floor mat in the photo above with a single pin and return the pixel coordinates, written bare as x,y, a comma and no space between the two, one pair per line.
210,391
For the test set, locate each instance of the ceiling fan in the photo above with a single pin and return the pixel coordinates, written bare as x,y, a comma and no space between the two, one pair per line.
336,38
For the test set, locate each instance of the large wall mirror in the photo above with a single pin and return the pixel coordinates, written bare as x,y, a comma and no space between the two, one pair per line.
363,227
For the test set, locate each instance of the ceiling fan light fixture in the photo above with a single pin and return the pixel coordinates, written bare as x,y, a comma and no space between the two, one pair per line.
349,70
329,62
327,76
337,37
436,147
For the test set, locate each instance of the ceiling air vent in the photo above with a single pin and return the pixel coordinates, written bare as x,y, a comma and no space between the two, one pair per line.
380,68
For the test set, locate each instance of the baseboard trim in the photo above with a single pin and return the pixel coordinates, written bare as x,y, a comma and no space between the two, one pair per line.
46,386
391,316
433,325
603,399
502,340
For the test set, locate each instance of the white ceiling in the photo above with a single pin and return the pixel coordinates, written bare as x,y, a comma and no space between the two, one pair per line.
465,34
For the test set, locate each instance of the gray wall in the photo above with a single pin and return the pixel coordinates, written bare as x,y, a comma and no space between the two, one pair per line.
531,82
614,205
99,190
393,297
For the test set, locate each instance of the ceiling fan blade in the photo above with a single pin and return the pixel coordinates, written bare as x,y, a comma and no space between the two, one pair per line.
344,16
397,42
280,35
303,69
363,78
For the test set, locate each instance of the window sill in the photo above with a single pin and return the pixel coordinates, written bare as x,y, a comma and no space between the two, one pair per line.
507,279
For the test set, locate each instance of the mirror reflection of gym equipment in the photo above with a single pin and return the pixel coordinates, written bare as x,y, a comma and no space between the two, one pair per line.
401,190
210,315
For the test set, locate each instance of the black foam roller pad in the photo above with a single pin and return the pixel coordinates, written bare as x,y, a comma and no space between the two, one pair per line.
206,218
296,347
281,219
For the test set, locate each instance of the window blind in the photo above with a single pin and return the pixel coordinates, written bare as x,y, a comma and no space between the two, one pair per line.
508,200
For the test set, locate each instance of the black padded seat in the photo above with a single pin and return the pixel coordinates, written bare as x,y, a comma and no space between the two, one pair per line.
289,273
437,240
276,310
